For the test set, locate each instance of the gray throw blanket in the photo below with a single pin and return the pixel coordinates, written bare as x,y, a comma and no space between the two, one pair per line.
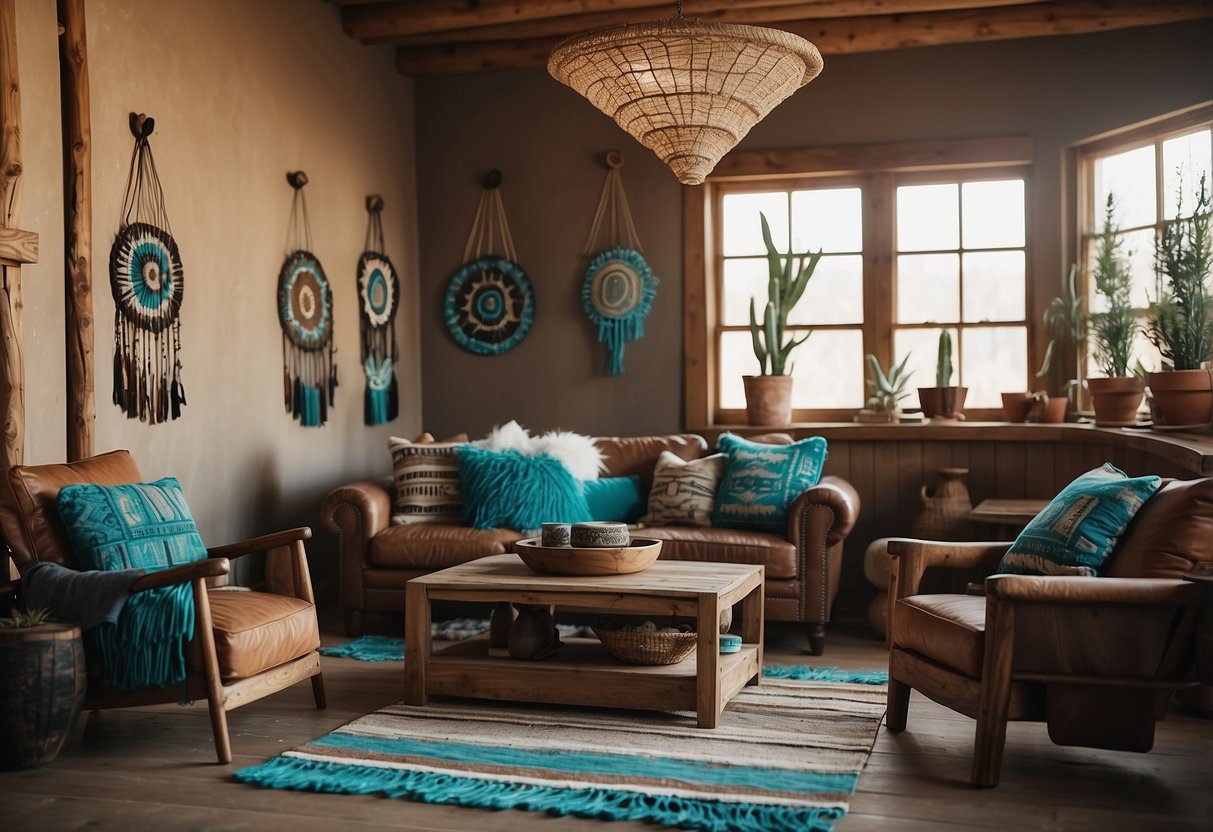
84,598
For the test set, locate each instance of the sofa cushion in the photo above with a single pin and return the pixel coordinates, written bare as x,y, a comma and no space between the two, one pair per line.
624,456
727,546
436,546
1171,533
762,480
255,631
615,498
1076,531
426,475
508,489
950,629
684,491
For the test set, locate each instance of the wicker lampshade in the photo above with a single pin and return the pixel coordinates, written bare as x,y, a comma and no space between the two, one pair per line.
688,91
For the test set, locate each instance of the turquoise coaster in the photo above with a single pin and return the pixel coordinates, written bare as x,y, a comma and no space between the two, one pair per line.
730,643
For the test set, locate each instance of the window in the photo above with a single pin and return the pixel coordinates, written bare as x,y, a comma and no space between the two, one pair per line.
908,248
1146,169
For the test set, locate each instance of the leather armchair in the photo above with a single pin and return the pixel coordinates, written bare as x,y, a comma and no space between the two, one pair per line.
246,645
1097,659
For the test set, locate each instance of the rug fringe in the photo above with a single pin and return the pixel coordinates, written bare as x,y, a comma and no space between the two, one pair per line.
604,804
807,673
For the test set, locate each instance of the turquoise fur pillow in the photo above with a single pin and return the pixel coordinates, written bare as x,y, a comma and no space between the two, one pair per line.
615,498
142,525
505,489
761,481
1076,532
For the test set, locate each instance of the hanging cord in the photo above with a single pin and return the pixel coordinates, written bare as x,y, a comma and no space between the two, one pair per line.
144,197
374,225
298,228
490,227
613,211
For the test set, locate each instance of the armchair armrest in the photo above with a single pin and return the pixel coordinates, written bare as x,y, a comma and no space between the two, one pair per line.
209,568
260,544
909,559
1074,590
359,510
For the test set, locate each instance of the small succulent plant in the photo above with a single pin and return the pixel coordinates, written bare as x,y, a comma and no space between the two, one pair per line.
22,620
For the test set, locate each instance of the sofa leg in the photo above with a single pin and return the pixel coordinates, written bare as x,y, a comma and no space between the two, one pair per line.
353,623
817,639
318,691
898,706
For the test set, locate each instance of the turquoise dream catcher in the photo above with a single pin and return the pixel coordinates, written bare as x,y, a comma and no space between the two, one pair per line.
305,310
378,299
618,290
148,284
489,306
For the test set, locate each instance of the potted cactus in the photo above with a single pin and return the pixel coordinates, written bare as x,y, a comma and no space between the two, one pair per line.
885,391
769,394
944,401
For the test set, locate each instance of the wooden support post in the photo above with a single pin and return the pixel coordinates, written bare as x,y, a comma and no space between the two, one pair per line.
77,173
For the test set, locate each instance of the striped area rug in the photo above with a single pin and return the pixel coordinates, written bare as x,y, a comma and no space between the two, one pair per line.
786,756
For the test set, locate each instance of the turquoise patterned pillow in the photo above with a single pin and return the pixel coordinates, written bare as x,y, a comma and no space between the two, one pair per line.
142,525
761,481
1076,532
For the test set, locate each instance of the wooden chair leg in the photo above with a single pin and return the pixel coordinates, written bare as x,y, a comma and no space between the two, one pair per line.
318,691
817,639
995,694
204,632
898,707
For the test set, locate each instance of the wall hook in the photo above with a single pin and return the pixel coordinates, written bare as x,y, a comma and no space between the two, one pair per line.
374,203
492,179
142,125
297,178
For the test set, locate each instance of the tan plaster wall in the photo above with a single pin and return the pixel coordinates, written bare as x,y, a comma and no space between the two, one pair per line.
241,93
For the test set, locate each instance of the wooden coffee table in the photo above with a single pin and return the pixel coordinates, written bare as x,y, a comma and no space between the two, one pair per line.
582,672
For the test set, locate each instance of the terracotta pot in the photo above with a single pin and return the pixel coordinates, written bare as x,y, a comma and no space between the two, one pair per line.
42,686
768,399
1051,409
944,515
942,402
1185,397
1116,400
1016,406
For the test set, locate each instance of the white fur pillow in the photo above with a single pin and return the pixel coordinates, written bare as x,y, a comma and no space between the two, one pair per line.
509,437
577,453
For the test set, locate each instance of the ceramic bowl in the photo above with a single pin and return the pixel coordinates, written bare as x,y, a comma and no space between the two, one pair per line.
599,534
555,534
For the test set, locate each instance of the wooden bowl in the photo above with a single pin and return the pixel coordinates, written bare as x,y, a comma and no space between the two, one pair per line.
600,560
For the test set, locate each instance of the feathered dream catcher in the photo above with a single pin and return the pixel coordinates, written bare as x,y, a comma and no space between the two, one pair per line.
148,285
305,309
379,297
618,290
489,306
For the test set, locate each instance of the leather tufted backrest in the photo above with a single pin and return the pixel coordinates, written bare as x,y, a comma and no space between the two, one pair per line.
1170,534
627,456
29,516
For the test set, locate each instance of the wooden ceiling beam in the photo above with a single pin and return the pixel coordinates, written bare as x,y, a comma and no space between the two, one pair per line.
851,35
708,11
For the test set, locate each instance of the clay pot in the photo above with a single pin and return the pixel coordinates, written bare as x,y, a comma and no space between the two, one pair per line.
942,402
42,687
533,635
1185,397
1051,409
1116,400
500,624
1016,406
944,515
768,399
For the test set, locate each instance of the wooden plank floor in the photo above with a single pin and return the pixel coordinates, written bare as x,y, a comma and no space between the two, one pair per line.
154,768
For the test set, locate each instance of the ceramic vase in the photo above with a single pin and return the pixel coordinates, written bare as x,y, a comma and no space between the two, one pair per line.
944,514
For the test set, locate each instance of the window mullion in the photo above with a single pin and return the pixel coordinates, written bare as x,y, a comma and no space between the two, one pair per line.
879,294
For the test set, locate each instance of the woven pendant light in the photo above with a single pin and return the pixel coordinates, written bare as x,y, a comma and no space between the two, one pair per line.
688,91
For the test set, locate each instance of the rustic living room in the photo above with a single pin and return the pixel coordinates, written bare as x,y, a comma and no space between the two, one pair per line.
623,414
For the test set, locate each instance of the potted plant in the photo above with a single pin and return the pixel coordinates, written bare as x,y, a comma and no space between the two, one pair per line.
1065,319
943,401
1180,317
885,391
769,394
1117,396
42,687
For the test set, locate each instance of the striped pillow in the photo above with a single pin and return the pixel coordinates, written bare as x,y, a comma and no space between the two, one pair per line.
426,474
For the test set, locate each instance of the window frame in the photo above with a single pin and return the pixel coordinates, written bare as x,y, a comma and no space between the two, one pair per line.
877,169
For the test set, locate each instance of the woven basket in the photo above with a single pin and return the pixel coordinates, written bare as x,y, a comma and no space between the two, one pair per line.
646,646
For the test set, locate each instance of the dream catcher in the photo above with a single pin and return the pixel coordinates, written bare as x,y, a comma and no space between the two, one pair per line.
148,285
489,305
379,297
618,289
305,309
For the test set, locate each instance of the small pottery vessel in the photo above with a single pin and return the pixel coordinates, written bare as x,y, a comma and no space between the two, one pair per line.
1185,397
500,624
533,635
944,515
1016,406
555,534
599,534
768,399
1116,400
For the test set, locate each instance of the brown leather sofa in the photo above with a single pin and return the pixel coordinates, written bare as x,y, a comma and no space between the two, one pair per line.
803,565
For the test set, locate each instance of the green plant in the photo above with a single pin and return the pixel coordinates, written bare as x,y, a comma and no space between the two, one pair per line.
943,361
785,287
1180,325
1113,329
21,620
885,390
1065,318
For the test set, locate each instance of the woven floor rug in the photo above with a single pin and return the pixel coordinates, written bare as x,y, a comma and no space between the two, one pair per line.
786,756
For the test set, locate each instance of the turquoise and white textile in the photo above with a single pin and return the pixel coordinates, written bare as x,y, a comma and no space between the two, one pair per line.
761,481
507,489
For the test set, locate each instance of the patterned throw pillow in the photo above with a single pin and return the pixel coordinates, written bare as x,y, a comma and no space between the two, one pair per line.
761,481
1078,529
426,475
683,493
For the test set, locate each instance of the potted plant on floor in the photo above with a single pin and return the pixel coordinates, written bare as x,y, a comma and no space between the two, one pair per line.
943,401
1065,318
769,394
1117,396
1180,323
885,391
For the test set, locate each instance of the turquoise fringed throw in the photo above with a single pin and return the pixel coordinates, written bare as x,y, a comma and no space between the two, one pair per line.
146,526
505,489
761,481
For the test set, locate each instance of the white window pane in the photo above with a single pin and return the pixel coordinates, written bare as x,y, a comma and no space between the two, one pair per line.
993,214
834,294
1139,249
1129,177
743,280
928,288
736,360
828,370
743,229
994,286
928,217
830,220
992,362
1184,159
922,345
